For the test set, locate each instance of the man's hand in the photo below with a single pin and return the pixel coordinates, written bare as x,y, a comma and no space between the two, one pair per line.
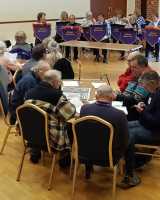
140,107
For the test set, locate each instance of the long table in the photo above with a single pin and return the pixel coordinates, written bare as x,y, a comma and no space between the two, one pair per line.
74,95
99,45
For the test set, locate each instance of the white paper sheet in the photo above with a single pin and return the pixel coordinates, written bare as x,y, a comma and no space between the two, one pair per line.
70,83
97,85
78,104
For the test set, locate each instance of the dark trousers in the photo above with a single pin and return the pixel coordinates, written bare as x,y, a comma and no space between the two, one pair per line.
121,52
137,135
104,51
68,50
37,41
149,49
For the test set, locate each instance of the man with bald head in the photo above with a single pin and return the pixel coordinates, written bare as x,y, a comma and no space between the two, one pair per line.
103,108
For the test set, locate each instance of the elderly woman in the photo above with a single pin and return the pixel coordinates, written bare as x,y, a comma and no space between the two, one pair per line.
22,48
55,59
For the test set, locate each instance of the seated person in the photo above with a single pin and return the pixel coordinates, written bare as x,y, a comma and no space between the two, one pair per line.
137,66
48,96
27,82
65,67
103,109
38,53
155,23
22,48
5,78
54,58
138,92
123,79
144,131
6,59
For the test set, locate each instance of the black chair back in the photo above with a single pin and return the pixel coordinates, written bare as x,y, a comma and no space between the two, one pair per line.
33,123
94,138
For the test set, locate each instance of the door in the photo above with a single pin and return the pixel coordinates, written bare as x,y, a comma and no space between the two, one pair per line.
108,7
144,8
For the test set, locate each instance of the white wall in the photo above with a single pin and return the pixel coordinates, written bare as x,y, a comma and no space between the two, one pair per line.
19,10
130,6
11,10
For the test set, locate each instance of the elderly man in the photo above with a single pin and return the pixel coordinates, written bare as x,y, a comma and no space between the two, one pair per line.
48,95
27,82
127,75
138,64
138,92
144,131
103,108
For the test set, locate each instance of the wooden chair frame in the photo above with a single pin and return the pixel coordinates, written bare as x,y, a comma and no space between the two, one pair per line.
152,147
10,128
74,153
52,155
14,76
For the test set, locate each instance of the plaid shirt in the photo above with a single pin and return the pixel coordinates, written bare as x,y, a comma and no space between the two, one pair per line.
57,121
140,21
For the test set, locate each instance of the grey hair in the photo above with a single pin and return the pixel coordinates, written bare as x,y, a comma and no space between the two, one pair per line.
149,77
3,48
104,91
50,44
39,66
133,54
89,13
52,75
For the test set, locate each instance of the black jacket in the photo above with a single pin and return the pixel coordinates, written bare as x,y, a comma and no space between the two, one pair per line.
150,117
64,66
44,92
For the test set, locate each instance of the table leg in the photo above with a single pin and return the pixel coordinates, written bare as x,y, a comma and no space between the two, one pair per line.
72,53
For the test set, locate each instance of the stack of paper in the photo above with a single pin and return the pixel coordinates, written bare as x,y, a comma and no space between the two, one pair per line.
70,83
97,84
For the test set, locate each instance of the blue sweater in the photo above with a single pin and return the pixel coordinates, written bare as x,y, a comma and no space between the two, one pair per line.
24,85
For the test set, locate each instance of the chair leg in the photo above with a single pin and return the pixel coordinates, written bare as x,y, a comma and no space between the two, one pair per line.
52,171
71,166
43,157
121,167
5,140
21,165
114,183
74,177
